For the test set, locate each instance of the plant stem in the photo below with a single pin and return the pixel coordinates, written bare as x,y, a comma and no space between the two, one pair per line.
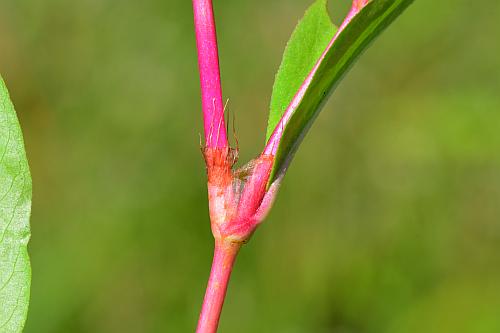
224,255
208,63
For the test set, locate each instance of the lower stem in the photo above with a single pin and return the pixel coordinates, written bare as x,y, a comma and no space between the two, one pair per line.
224,255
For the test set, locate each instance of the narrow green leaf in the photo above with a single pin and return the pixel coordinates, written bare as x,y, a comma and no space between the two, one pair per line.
349,44
307,43
15,207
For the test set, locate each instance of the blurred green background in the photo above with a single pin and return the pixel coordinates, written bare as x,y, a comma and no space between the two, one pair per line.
389,217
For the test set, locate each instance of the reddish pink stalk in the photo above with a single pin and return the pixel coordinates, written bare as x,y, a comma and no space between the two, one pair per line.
273,143
208,64
224,256
237,203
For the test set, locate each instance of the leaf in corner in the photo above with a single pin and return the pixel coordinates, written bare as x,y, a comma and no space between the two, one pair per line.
15,208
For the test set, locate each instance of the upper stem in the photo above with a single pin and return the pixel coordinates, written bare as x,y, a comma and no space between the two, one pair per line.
224,255
208,63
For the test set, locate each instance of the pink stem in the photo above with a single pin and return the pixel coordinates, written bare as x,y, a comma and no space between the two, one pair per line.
224,255
208,64
273,143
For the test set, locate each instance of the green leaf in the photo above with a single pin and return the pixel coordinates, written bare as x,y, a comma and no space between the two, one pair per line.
15,207
307,43
348,45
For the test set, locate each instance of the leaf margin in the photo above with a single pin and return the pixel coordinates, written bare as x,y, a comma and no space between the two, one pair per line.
19,279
